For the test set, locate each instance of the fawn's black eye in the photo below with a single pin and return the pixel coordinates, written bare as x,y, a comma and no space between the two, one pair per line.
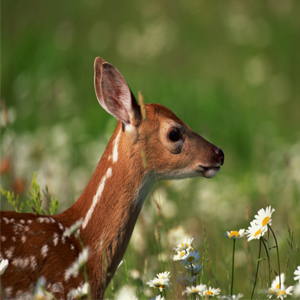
174,135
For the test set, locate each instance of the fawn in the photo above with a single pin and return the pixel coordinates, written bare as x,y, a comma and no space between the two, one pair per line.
149,143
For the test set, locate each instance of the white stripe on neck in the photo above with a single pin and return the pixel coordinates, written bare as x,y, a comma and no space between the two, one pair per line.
116,146
96,197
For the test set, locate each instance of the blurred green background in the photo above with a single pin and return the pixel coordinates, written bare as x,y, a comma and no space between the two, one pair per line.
229,69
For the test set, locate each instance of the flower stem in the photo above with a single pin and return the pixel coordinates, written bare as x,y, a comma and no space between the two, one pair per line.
277,253
258,261
268,260
232,272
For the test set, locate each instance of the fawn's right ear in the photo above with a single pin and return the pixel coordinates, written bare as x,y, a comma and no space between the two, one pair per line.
114,94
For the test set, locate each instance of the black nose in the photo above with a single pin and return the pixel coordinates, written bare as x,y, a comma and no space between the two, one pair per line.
220,155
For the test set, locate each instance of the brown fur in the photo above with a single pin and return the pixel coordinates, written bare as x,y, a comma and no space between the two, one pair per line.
108,231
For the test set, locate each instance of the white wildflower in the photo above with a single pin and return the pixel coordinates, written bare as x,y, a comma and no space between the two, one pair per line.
297,273
161,282
77,264
72,229
3,265
180,255
191,258
185,246
210,292
263,217
256,231
193,290
235,234
278,288
80,292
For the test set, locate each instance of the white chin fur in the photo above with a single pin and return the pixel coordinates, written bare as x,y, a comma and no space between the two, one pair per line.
211,172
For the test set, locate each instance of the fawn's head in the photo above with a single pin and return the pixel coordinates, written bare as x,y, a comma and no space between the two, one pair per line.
154,132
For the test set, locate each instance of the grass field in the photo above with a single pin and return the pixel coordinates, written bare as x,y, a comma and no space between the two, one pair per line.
230,70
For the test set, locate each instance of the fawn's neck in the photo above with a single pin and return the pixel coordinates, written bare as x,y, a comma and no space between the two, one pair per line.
110,205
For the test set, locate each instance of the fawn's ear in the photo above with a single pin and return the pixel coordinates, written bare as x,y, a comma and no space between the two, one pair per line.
114,94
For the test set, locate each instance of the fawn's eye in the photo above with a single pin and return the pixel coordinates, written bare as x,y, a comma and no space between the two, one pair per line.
174,135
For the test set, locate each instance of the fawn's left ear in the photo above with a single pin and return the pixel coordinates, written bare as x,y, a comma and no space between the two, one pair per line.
114,94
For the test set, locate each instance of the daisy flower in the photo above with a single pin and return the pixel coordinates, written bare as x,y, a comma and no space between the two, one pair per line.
161,282
73,229
40,290
185,246
235,234
297,273
263,217
210,292
186,279
191,258
3,265
278,288
255,231
180,255
77,264
164,275
193,290
80,292
194,269
297,290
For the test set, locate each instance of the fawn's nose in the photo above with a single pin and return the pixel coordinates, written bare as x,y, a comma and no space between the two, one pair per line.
220,155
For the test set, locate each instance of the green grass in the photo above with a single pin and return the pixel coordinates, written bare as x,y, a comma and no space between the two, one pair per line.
229,70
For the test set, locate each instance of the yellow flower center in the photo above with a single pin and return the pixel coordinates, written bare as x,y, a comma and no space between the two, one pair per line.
265,221
191,258
210,293
234,233
281,292
194,291
184,245
257,232
278,286
182,253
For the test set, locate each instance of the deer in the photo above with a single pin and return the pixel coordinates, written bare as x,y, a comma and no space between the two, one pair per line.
149,144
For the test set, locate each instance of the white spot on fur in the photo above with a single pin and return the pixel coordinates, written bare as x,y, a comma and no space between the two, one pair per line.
33,263
9,253
57,288
61,227
45,250
6,220
22,221
23,295
97,197
23,239
40,220
55,239
29,221
21,262
14,239
8,291
3,238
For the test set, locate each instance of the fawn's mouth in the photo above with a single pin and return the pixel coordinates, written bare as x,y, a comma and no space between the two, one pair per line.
208,172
